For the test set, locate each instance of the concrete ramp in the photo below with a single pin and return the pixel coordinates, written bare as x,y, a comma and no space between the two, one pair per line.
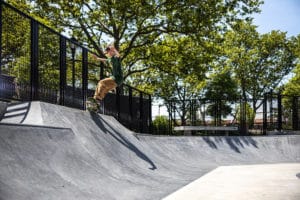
64,153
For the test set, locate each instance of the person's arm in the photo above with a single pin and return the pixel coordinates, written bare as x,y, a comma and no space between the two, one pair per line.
101,59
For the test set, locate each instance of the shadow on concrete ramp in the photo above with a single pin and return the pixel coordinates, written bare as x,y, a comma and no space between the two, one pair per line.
120,138
234,142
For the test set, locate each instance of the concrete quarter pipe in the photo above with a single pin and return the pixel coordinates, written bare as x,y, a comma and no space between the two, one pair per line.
56,152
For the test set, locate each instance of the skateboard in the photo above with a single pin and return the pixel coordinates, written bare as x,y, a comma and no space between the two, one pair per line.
94,105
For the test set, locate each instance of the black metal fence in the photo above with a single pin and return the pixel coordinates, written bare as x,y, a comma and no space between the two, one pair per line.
281,112
273,112
38,63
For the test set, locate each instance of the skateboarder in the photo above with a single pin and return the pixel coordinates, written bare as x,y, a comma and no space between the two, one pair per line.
108,84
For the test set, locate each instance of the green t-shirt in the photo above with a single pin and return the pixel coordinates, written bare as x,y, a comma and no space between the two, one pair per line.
117,73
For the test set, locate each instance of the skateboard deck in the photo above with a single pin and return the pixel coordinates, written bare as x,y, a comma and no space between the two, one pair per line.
93,105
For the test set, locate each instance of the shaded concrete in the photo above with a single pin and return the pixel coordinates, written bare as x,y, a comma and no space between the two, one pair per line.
3,107
17,112
81,155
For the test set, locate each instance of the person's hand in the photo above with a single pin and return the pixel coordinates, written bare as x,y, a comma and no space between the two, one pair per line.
97,58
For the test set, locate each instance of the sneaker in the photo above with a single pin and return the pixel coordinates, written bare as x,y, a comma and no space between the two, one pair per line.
97,98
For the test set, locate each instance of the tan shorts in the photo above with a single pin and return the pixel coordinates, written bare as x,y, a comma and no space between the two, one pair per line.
103,87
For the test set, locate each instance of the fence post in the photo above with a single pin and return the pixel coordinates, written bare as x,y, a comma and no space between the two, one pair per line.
1,6
130,107
84,76
279,114
271,110
34,59
150,115
265,114
192,112
219,112
189,103
215,111
141,112
101,70
242,117
170,116
204,112
118,102
295,113
63,70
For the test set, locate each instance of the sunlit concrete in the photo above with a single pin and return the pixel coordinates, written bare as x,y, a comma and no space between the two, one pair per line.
245,182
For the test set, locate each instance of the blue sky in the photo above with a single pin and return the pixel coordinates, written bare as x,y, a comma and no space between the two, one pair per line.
283,15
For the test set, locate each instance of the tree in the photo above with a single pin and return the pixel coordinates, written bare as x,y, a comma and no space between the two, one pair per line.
177,96
134,26
292,87
259,62
14,38
160,125
177,74
219,91
143,31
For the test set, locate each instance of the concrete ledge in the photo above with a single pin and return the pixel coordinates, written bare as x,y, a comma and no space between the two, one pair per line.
205,128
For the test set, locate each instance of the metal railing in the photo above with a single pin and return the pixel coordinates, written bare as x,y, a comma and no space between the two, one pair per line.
281,112
38,63
273,112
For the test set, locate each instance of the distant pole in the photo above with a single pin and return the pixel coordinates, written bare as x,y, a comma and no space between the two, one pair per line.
265,115
295,110
159,105
279,114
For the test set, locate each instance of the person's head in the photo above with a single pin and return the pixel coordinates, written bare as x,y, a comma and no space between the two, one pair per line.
110,50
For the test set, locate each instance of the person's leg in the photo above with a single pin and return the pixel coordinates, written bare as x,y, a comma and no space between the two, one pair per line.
98,90
109,85
103,87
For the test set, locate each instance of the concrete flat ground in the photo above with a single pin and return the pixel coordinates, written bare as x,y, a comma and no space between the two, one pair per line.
54,152
259,182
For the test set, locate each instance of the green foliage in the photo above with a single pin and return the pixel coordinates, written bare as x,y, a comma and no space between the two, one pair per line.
49,66
15,45
160,125
218,106
293,86
258,62
291,89
177,72
220,89
221,86
169,48
135,25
